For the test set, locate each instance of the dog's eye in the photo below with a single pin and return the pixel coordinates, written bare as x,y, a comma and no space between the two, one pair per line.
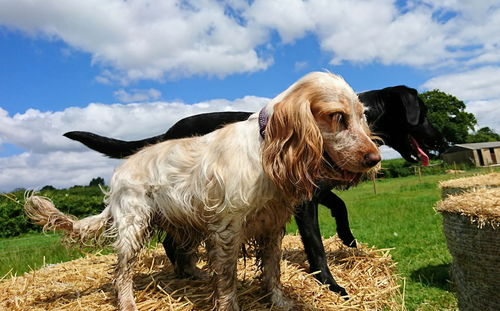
339,118
335,115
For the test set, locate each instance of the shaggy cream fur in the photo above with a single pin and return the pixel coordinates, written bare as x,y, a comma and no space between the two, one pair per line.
231,186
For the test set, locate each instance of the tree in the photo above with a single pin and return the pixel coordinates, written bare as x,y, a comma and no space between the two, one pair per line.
483,135
447,114
97,181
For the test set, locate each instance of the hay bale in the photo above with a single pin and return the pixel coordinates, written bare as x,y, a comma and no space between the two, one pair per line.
461,185
471,226
86,284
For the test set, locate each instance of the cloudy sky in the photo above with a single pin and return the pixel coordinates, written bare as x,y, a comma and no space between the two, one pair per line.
130,69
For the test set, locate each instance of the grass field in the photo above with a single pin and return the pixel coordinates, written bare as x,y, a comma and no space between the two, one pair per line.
31,251
400,216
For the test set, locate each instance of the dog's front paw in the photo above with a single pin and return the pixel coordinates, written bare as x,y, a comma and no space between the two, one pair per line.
198,274
193,273
327,278
278,299
339,290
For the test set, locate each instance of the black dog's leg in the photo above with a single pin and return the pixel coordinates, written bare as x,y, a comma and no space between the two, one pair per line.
170,248
306,217
339,212
183,258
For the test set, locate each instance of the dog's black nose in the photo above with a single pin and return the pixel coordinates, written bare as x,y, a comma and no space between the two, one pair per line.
371,159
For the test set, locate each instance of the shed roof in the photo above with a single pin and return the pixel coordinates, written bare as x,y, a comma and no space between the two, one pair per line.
474,146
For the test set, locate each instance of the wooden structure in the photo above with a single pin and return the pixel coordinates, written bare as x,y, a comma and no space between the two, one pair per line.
479,154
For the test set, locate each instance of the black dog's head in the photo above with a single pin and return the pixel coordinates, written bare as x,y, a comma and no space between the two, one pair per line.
399,117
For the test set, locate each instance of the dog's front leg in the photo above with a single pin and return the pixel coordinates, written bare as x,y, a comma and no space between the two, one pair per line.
338,210
270,254
306,216
223,247
184,258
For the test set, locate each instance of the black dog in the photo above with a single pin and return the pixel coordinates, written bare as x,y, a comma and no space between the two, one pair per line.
396,115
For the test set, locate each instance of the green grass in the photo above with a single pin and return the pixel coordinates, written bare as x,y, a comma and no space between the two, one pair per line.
400,216
32,251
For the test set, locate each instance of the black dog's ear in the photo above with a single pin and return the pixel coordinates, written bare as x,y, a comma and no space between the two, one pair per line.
412,104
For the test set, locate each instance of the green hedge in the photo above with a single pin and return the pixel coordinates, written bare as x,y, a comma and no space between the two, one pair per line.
401,168
78,201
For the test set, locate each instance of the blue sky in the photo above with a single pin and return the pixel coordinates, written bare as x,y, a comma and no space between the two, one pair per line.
130,70
50,75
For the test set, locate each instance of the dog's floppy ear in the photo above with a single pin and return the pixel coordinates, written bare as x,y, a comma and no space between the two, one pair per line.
293,148
411,104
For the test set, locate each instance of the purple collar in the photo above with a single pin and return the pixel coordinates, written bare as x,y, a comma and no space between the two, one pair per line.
263,118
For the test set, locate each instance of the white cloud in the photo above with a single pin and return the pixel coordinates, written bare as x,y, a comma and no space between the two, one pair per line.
133,40
422,33
59,169
41,132
53,159
137,95
477,84
144,40
377,31
486,113
388,153
290,18
478,88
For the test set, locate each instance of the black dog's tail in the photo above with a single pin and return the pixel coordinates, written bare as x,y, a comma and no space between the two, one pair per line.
200,124
113,148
